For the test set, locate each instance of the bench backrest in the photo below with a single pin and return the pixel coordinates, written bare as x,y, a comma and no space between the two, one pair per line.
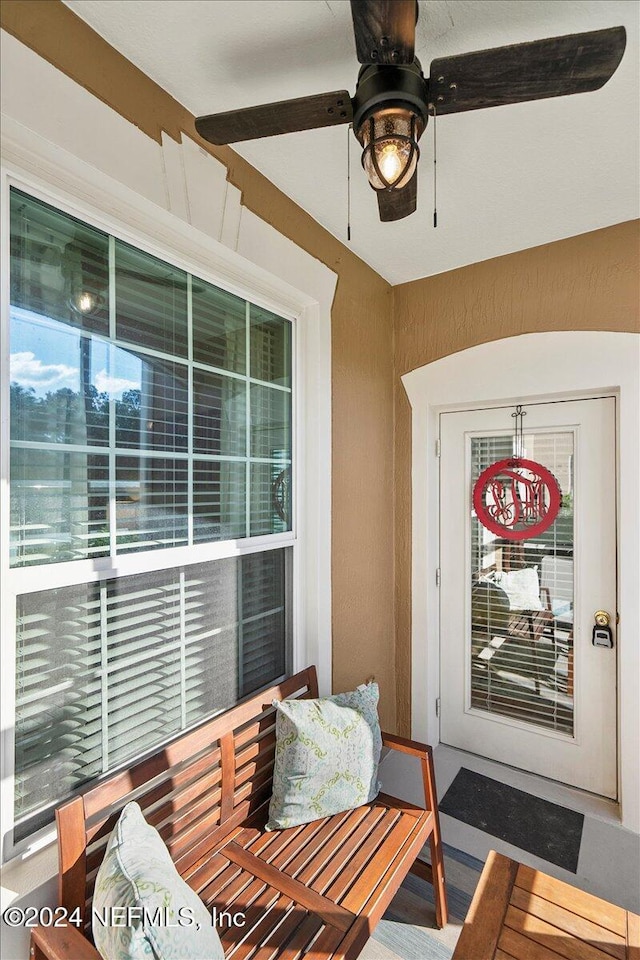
194,790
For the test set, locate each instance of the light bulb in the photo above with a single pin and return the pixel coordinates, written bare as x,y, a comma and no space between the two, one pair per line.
85,302
389,138
389,162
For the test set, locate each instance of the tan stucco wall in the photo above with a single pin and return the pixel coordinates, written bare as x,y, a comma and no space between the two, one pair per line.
589,282
362,336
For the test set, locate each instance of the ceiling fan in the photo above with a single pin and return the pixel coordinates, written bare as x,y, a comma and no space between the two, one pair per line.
393,99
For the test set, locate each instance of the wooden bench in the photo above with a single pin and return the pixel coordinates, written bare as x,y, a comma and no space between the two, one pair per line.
319,888
518,913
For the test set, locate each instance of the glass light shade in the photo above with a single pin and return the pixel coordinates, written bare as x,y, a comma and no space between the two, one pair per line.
85,278
391,151
85,302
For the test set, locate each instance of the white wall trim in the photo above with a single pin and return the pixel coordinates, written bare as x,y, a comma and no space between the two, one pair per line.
525,369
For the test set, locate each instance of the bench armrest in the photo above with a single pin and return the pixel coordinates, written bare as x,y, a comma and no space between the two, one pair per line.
434,872
413,747
423,752
61,943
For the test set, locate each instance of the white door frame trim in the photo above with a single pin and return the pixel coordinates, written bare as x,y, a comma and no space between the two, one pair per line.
526,369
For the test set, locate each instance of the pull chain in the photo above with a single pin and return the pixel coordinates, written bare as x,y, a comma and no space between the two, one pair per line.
435,185
349,129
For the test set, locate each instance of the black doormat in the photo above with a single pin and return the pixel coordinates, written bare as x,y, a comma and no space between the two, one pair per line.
545,829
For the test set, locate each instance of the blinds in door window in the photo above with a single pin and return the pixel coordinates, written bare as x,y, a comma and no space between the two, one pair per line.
521,643
105,671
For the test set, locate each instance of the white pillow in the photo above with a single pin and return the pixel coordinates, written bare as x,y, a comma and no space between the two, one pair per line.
522,587
168,920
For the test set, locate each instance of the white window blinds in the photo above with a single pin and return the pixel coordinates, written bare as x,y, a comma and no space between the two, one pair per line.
108,670
521,643
149,410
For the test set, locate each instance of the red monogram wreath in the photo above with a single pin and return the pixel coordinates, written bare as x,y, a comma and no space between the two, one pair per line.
516,499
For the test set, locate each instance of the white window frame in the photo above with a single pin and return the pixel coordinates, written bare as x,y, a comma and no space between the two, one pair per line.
48,174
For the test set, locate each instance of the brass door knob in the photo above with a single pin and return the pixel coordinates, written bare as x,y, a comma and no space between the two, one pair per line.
602,618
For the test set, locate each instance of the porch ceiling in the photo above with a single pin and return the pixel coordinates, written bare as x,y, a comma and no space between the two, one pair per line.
508,178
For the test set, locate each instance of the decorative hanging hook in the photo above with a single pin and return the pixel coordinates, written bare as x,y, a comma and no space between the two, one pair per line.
516,498
518,436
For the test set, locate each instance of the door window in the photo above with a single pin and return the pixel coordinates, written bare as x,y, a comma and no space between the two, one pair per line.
521,631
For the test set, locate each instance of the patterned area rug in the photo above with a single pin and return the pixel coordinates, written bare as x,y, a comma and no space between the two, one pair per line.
407,931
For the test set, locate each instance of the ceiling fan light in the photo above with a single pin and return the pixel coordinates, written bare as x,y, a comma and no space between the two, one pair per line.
85,302
390,140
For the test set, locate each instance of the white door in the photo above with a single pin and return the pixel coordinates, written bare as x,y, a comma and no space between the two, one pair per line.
521,679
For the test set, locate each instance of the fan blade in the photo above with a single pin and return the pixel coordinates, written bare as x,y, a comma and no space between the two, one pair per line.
271,119
385,30
526,71
396,204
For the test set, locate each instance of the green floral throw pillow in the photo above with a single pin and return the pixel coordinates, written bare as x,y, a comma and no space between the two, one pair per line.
327,755
142,908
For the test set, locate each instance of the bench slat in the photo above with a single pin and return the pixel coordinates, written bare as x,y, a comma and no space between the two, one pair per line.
539,931
179,795
172,824
252,759
386,886
301,938
249,749
244,896
403,805
254,805
228,776
322,871
316,863
487,909
521,947
262,918
207,873
255,901
383,856
590,907
348,948
257,729
305,838
330,912
310,855
227,886
169,788
270,842
261,778
569,922
278,938
72,855
326,944
364,841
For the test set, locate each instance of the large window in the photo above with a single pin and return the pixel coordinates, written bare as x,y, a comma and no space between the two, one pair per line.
150,410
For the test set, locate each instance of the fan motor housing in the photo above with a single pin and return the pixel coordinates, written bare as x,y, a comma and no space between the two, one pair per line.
390,86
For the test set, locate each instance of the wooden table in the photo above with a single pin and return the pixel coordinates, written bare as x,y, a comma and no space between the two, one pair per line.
518,913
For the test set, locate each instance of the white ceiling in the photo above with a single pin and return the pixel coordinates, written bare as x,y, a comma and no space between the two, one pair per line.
509,178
